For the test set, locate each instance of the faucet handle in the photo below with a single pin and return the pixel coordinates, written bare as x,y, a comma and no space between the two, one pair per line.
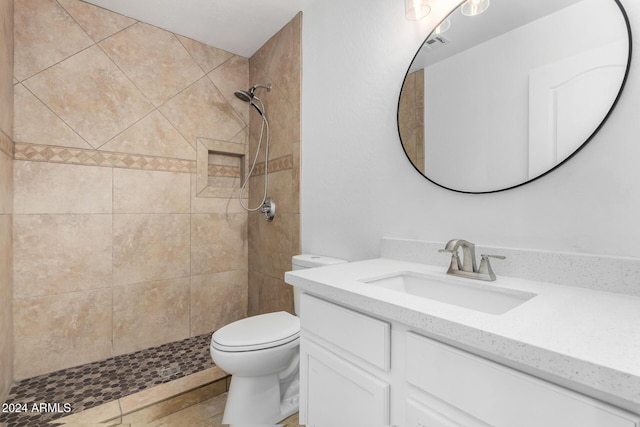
485,265
455,260
485,256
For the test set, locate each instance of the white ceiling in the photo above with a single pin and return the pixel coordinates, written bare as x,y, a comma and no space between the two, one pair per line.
238,26
501,17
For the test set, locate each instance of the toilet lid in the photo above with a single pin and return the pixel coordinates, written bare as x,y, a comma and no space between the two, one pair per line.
257,332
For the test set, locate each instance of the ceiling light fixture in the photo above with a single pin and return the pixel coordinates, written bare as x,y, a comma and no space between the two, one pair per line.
444,26
474,7
416,9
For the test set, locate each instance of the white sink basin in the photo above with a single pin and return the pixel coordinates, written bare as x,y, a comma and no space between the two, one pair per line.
467,293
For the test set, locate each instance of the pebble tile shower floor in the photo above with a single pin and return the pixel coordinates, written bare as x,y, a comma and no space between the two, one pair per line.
90,385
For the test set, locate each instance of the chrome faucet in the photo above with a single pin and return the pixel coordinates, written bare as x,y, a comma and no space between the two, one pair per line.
467,268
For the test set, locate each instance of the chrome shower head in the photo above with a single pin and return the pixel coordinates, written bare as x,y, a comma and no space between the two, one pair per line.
248,96
244,95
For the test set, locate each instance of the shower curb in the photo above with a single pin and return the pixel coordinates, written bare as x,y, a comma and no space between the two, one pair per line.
155,402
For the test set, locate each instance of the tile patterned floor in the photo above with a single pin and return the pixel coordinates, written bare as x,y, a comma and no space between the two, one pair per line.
90,385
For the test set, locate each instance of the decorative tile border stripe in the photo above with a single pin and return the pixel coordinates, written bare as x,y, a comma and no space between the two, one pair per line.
276,165
78,156
6,145
224,171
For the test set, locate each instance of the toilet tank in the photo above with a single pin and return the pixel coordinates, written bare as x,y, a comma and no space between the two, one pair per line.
300,262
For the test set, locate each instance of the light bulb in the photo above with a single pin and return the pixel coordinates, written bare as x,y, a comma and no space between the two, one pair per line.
416,9
444,26
474,7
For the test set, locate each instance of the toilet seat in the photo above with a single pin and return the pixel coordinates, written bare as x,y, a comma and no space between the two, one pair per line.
257,332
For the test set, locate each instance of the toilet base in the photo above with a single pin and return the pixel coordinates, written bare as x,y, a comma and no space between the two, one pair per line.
260,400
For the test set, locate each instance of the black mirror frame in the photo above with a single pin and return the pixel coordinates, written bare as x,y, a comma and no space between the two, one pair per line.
604,120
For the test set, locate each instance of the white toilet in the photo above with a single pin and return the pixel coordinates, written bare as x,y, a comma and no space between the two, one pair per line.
262,355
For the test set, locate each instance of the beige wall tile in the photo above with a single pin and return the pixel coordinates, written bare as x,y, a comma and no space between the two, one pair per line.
280,189
139,191
284,59
276,295
6,312
284,124
269,294
296,244
207,57
48,188
44,35
6,71
6,144
6,198
91,95
6,184
150,314
99,23
150,247
410,118
54,254
255,122
256,190
282,121
37,124
202,99
153,136
226,205
242,136
277,62
154,60
76,330
145,242
295,184
217,300
231,76
273,238
218,243
254,293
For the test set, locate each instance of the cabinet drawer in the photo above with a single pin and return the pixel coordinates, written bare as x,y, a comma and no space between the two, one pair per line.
500,396
360,335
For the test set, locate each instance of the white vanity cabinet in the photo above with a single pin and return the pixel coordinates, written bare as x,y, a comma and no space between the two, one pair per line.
492,394
352,374
344,356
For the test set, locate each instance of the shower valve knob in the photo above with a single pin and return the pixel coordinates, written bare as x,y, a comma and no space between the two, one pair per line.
269,209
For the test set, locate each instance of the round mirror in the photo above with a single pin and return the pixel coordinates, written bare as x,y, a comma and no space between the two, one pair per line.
497,99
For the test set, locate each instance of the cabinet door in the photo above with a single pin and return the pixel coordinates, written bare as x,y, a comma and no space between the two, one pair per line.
419,415
339,393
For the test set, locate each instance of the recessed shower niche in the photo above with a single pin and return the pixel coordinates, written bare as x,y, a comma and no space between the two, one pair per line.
220,167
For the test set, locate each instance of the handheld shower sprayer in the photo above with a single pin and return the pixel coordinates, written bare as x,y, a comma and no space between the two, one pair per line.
267,206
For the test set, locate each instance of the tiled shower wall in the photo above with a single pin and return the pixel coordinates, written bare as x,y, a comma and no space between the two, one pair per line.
411,124
113,249
6,195
272,244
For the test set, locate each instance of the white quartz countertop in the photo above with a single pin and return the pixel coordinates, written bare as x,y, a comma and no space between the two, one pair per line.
589,339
